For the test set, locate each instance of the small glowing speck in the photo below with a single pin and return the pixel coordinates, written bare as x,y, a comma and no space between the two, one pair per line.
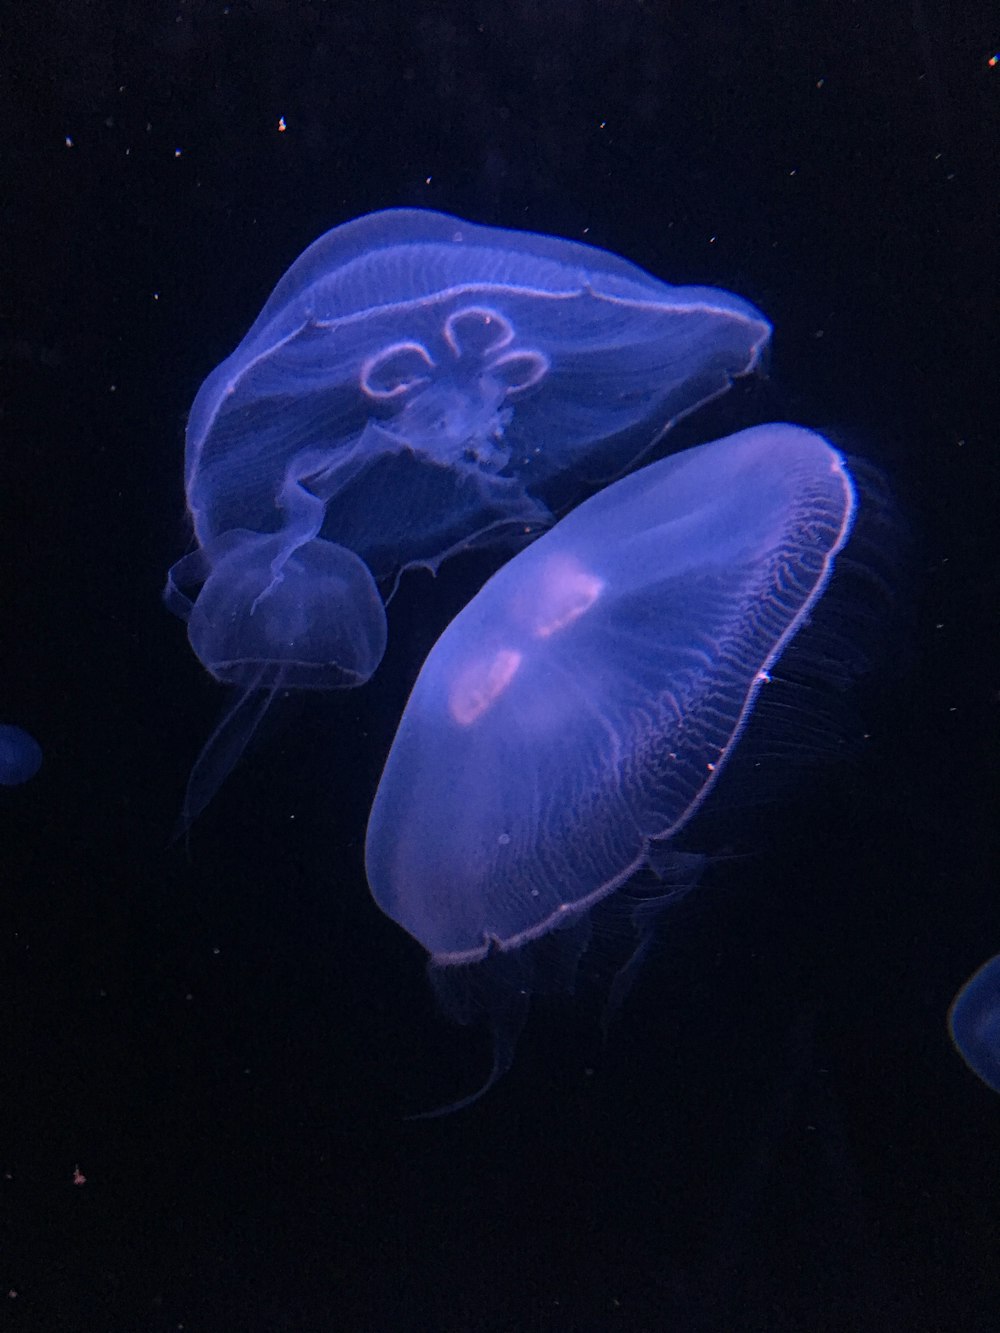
68,142
994,60
428,179
178,152
281,125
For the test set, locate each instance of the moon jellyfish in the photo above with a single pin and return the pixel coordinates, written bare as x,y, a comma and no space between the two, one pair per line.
416,384
20,756
974,1023
575,715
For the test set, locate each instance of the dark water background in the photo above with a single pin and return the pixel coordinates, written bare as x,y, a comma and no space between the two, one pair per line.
205,1060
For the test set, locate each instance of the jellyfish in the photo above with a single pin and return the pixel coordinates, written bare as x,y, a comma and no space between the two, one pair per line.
416,385
974,1023
574,717
20,756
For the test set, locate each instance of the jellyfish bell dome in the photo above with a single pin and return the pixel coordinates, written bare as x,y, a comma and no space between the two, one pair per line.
492,360
20,755
575,716
581,707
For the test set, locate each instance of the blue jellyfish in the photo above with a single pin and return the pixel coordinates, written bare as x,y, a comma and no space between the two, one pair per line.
575,715
414,385
974,1023
20,756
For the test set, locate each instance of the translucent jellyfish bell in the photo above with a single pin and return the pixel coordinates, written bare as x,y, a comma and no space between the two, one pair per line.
309,619
416,384
974,1023
426,349
20,756
574,716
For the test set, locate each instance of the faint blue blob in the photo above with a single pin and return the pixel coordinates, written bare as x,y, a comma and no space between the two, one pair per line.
20,756
974,1023
414,385
574,716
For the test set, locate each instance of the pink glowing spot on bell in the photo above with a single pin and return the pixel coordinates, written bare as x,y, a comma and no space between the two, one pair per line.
567,590
480,683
